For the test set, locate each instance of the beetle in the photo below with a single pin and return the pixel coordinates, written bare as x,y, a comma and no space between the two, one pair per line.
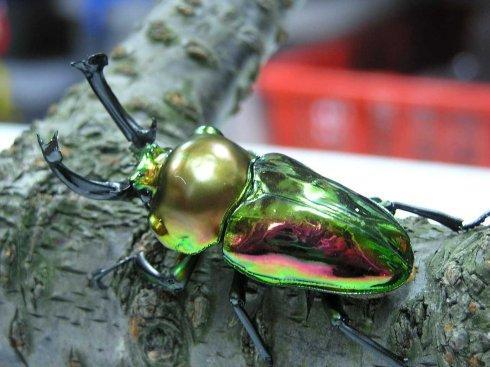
279,223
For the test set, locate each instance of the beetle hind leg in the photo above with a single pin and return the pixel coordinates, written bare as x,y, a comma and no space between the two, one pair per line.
477,221
446,220
238,300
340,320
92,68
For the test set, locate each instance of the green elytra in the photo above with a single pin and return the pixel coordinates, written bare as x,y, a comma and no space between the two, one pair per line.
286,225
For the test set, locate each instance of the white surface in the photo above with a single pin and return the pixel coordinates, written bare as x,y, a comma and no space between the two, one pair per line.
8,133
462,191
319,20
459,190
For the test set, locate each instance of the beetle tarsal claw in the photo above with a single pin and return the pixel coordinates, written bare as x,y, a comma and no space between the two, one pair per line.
99,60
51,150
93,64
153,126
95,279
152,131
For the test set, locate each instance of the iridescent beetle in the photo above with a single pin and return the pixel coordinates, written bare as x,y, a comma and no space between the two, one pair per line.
279,222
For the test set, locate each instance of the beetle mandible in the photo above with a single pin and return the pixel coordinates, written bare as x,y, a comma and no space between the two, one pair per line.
279,222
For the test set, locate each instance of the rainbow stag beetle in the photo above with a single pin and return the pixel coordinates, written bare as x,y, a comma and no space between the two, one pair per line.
279,222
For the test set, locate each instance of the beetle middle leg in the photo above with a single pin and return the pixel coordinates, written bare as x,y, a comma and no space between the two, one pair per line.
238,300
446,220
174,282
340,320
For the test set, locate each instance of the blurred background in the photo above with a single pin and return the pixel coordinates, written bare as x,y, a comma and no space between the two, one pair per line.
385,77
365,92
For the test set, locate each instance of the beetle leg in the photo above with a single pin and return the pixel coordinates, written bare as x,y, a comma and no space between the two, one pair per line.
92,68
97,276
453,223
477,221
175,282
81,185
238,300
446,220
339,319
310,297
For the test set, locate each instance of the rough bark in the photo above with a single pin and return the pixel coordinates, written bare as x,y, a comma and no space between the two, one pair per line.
192,62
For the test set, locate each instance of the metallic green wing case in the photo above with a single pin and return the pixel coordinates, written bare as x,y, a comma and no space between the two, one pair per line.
294,227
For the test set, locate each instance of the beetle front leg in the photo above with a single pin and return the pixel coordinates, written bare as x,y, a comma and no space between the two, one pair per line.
174,282
238,300
178,277
340,320
446,220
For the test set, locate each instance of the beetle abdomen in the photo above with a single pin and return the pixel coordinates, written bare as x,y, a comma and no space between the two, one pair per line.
297,228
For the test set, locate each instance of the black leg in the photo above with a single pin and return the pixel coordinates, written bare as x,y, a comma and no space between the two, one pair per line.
340,320
238,300
477,221
81,185
92,68
97,276
310,297
446,220
174,282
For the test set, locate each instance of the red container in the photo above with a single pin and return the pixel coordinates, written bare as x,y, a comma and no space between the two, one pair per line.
314,101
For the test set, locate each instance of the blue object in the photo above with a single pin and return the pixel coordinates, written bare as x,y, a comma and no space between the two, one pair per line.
96,14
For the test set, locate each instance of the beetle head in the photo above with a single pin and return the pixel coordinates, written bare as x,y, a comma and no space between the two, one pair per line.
145,177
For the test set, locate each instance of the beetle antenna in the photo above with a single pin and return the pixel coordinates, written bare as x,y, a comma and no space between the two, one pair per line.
92,68
81,185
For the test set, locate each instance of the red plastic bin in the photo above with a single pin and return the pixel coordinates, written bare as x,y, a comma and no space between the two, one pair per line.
314,101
